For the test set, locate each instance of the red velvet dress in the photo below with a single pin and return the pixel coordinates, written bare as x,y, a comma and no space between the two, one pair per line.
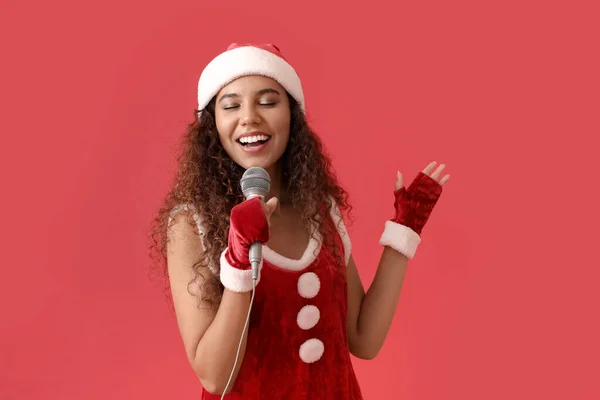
297,345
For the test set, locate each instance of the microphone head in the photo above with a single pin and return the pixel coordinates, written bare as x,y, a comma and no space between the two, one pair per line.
255,182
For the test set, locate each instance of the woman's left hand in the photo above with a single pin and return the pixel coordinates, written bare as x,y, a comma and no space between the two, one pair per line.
415,203
429,171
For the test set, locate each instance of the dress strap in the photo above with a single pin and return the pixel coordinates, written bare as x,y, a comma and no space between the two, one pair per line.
338,220
190,207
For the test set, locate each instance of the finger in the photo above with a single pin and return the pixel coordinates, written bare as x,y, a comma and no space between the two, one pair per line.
429,168
438,171
270,206
444,179
399,181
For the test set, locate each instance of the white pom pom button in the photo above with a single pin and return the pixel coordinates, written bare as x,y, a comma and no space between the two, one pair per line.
308,285
311,350
308,316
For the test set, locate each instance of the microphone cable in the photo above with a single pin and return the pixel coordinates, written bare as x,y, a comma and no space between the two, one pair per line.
241,338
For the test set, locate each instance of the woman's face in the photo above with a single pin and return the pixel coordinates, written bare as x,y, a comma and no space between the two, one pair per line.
252,116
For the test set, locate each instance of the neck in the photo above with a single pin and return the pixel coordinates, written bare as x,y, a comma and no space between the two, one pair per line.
276,184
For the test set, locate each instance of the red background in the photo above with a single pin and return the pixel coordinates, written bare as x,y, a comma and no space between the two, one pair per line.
501,301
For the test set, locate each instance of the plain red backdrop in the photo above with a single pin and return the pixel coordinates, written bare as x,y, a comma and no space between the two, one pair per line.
501,301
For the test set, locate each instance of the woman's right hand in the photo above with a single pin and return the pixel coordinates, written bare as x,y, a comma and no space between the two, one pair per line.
249,222
270,206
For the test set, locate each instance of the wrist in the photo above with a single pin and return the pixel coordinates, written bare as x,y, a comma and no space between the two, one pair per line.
234,278
400,238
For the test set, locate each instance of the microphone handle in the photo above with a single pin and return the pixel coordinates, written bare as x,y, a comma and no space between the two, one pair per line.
255,256
255,253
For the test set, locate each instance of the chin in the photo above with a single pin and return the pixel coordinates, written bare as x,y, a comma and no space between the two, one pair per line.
257,163
265,161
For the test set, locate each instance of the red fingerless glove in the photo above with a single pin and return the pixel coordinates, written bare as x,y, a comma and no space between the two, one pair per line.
247,224
413,206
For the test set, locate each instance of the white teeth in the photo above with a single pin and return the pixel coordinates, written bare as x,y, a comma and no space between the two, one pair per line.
252,139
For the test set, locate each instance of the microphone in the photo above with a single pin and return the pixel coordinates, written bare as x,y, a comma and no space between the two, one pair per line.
255,182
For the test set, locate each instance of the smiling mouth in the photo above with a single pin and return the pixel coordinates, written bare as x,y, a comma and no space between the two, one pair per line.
253,141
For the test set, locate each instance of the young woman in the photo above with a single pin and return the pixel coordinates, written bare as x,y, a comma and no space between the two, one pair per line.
307,312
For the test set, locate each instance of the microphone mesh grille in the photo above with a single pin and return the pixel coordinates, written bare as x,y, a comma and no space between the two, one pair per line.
255,182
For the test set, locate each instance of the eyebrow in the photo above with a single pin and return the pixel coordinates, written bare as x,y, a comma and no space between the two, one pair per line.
260,92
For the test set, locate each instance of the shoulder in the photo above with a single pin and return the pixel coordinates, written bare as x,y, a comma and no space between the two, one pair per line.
181,213
184,227
179,226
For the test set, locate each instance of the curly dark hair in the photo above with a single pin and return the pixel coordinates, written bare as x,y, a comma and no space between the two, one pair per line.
208,179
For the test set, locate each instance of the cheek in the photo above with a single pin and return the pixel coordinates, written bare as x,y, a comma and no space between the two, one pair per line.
286,135
283,141
224,127
224,141
283,126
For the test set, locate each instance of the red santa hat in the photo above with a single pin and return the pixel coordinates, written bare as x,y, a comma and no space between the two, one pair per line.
243,60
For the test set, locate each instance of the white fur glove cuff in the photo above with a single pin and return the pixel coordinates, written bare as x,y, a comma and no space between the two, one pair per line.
400,238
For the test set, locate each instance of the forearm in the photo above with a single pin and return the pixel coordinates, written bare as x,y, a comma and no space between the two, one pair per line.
371,313
379,303
217,350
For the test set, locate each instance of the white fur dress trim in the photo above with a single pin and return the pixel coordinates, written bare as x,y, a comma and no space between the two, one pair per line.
336,216
310,254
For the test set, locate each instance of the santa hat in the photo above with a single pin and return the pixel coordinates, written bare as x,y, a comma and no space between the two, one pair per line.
242,60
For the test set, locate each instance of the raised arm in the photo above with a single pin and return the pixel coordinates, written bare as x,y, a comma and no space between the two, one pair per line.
370,314
212,338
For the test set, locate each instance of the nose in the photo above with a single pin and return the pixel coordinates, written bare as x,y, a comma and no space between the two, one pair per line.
250,116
